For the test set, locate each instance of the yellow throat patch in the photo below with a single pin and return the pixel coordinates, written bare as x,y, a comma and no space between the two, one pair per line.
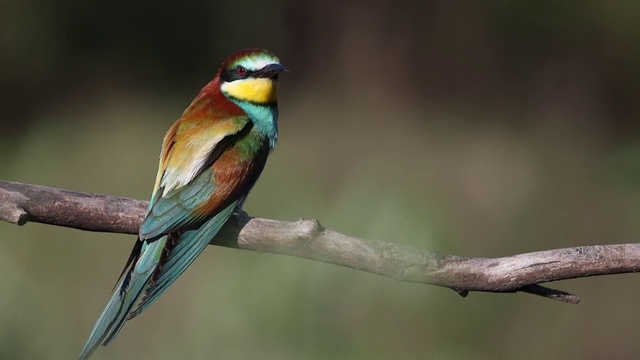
260,91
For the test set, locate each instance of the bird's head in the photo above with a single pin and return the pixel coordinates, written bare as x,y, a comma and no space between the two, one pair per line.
251,75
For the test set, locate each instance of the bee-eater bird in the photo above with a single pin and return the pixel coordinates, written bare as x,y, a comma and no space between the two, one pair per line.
210,159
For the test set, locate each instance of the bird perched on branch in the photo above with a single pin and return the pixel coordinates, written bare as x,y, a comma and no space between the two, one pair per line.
211,158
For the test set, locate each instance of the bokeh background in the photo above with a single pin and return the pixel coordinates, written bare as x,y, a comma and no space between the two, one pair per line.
479,128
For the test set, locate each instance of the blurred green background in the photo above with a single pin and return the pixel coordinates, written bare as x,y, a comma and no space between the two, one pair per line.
467,127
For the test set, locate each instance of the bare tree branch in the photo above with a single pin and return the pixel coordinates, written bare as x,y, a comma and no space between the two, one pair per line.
21,203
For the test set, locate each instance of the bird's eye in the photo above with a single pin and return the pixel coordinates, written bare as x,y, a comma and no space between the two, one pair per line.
241,71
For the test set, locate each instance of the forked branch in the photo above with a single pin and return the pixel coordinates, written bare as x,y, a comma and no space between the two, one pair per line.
22,203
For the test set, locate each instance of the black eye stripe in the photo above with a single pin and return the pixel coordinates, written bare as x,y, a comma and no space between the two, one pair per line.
232,74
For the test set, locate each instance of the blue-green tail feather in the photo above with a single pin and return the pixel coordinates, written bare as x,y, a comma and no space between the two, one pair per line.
188,247
127,291
144,283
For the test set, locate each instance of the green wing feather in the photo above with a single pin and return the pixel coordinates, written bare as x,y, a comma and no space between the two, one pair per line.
189,148
177,208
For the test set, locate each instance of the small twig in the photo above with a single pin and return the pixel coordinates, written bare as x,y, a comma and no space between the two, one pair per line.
551,293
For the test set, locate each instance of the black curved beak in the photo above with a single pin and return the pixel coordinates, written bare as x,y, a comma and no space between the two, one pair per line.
270,71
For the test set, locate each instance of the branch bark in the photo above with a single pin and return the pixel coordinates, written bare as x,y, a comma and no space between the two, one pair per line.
22,203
